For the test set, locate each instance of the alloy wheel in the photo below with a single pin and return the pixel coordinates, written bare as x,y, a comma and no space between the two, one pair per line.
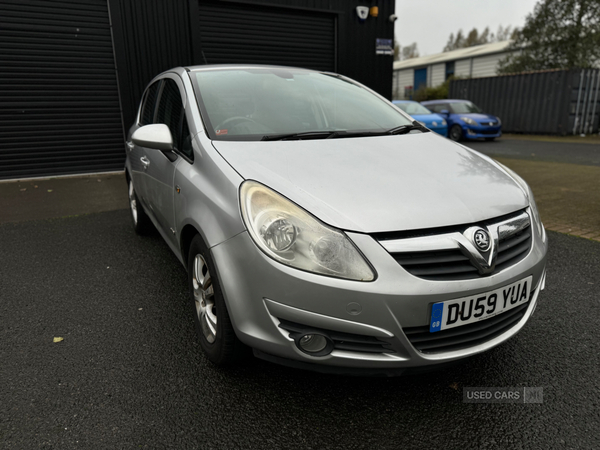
204,296
133,203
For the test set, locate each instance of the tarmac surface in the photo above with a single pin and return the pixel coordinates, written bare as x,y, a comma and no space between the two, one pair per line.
130,373
540,150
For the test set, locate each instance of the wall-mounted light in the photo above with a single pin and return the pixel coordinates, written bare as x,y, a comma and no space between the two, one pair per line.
374,11
362,12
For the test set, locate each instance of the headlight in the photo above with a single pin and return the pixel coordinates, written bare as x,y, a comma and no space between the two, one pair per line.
291,236
444,122
529,194
468,120
499,121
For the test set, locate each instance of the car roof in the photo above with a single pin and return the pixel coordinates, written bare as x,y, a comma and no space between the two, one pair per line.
431,102
208,67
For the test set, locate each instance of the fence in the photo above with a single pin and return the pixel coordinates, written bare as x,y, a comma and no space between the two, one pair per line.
552,102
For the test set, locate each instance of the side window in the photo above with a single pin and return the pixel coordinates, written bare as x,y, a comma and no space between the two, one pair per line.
171,113
147,114
186,144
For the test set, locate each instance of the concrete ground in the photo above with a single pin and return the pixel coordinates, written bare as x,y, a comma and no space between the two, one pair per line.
564,177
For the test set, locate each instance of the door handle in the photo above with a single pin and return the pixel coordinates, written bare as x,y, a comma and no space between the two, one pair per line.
130,145
145,161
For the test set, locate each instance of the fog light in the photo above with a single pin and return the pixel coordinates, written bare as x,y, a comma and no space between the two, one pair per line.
312,343
471,132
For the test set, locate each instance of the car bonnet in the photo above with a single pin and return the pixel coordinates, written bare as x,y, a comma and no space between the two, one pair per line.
375,184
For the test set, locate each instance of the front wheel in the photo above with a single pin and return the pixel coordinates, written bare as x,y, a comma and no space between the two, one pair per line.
213,325
141,222
456,133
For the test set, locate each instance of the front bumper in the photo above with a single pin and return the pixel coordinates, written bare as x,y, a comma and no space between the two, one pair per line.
480,132
260,293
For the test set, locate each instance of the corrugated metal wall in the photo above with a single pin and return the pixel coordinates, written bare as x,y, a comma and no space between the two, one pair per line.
59,108
462,68
486,66
438,74
251,34
553,102
150,37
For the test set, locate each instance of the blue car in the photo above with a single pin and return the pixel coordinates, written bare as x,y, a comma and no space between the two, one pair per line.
434,122
466,120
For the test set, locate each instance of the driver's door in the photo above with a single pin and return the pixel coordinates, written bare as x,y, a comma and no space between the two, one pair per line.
160,170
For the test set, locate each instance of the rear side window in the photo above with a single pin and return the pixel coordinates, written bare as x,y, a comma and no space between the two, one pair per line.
147,115
171,113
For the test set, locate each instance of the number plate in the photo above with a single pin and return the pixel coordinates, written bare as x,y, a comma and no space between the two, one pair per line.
462,311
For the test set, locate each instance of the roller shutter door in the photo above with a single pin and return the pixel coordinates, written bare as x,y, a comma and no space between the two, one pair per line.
59,104
238,33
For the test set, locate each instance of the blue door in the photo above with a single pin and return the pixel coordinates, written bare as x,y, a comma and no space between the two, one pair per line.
420,78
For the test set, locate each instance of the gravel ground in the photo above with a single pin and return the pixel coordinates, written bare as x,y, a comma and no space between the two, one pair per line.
130,374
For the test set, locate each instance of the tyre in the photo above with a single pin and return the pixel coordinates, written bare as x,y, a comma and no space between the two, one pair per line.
455,133
141,222
213,325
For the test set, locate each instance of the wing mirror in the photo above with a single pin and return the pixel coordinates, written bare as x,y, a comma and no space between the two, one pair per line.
157,136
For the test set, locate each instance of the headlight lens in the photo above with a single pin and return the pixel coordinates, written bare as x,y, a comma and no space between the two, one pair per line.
291,236
468,120
532,205
499,121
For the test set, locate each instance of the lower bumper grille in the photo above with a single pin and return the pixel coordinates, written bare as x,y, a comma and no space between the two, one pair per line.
341,341
466,335
488,131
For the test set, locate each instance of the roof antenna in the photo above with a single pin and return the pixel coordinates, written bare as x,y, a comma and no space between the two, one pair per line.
204,56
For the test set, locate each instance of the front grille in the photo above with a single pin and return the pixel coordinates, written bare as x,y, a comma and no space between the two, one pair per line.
466,335
488,131
341,341
454,264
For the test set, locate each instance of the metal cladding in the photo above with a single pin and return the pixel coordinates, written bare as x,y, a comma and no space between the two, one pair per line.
549,102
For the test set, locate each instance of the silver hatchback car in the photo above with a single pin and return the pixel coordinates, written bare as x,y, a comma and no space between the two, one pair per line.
323,228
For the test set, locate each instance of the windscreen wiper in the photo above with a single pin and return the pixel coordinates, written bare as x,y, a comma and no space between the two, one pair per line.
403,129
299,136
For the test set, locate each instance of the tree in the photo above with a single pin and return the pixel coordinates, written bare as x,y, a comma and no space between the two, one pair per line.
396,50
474,38
409,51
559,34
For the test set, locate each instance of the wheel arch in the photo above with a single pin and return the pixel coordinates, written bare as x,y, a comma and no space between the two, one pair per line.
188,232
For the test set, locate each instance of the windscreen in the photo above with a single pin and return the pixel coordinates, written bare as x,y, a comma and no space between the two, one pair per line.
413,108
248,104
464,108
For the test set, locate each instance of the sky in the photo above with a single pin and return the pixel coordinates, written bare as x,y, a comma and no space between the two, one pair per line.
430,22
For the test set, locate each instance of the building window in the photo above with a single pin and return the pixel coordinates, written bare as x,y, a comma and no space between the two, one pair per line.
449,69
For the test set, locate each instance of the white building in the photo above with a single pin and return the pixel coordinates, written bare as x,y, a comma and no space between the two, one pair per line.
433,70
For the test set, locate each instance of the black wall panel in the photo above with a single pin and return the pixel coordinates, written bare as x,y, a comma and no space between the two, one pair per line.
551,102
150,36
256,34
59,103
